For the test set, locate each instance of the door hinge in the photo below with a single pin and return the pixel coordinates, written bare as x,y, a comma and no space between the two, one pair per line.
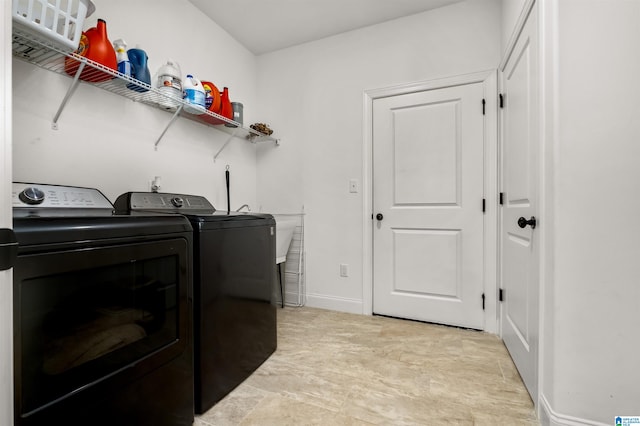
501,100
483,301
8,249
484,205
501,295
501,201
484,102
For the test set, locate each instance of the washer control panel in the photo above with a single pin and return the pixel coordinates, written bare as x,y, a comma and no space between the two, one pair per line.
35,195
169,202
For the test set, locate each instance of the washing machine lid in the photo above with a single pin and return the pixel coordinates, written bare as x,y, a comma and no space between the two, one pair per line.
196,208
223,220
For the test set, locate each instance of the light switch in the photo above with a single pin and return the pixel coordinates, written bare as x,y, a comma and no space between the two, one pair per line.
344,270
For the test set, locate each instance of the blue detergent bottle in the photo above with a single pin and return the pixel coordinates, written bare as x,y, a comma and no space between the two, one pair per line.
139,68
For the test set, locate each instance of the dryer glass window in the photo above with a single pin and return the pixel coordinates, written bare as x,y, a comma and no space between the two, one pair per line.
83,315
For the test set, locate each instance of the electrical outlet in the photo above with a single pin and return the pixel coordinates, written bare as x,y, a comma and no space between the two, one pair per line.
344,270
353,185
155,184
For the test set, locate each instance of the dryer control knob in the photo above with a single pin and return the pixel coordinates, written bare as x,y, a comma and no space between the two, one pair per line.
32,196
177,202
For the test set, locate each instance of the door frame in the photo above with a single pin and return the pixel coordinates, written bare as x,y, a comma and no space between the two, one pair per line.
6,216
489,80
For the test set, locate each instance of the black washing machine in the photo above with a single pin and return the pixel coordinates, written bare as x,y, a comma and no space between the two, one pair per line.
234,276
102,312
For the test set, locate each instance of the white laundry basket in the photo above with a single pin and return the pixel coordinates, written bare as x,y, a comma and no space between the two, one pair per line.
57,23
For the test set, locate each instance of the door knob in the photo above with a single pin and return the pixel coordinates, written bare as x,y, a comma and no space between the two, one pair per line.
379,216
522,222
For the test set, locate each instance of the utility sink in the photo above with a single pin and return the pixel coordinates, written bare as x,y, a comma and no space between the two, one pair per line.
284,235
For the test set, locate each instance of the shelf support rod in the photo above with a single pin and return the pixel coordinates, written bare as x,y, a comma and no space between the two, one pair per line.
175,115
67,96
225,144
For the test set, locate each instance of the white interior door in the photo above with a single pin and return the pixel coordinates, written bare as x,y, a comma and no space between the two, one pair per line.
520,175
428,188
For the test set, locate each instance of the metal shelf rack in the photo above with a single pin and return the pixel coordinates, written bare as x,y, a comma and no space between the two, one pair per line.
49,57
293,275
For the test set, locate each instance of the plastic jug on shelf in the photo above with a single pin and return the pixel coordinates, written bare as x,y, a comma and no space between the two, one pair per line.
194,95
237,108
94,45
124,66
139,68
226,109
168,81
211,97
212,102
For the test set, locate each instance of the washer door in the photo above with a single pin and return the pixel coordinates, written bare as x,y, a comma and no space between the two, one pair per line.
91,319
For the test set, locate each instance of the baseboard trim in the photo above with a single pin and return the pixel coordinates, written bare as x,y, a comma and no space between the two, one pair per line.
341,304
549,417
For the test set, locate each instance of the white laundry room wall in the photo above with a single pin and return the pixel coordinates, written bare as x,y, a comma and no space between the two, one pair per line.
312,94
591,294
107,142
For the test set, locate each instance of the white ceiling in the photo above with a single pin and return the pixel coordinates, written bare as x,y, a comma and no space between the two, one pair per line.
266,25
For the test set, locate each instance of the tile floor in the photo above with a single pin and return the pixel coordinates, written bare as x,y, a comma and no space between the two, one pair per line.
333,368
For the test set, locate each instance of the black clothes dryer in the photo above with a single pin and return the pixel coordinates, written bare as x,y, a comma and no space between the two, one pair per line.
102,312
234,303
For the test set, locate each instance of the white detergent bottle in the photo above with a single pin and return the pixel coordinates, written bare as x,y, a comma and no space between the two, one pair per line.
193,95
124,66
168,81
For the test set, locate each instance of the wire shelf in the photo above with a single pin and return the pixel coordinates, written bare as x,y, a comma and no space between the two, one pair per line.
50,57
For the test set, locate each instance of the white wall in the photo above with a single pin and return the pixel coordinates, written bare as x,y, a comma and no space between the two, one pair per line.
592,341
314,93
106,141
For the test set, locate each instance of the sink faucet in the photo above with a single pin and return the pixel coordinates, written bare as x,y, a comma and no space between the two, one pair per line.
243,206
